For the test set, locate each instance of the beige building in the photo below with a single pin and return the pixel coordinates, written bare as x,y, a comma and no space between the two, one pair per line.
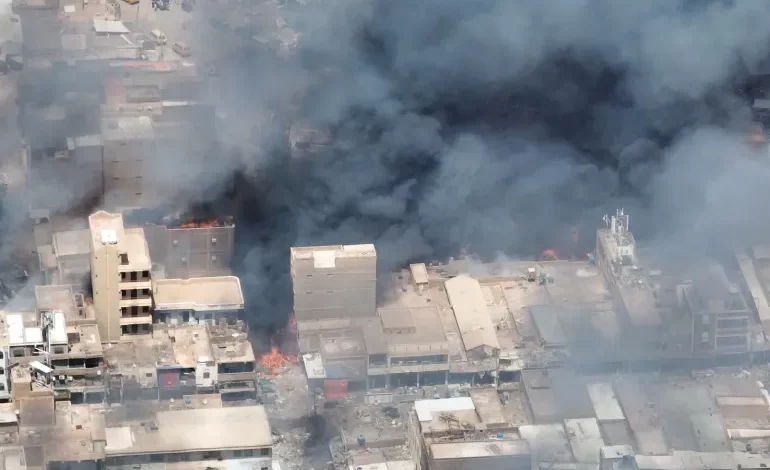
197,300
334,281
120,277
196,249
129,143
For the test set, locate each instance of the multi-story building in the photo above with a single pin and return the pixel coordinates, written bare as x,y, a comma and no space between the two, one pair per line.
5,385
334,282
452,433
201,248
181,360
721,319
129,147
197,300
633,294
120,277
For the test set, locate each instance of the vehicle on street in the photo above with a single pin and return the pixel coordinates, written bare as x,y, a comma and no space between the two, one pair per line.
181,48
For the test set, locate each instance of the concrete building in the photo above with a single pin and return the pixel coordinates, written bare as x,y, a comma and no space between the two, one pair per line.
452,434
74,348
65,436
721,318
192,435
192,249
633,293
179,251
129,146
120,276
331,282
436,325
197,300
40,26
755,267
5,384
183,360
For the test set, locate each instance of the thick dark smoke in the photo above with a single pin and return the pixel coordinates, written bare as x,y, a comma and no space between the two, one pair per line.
495,126
489,126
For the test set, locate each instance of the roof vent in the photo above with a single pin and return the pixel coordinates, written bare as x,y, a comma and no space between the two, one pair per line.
109,237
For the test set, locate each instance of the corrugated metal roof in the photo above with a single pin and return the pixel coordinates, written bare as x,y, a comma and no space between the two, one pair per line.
471,313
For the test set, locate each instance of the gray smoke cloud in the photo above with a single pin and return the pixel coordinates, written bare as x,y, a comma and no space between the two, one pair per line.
657,138
493,126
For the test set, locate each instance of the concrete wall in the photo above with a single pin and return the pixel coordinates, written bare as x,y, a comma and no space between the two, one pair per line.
349,289
105,279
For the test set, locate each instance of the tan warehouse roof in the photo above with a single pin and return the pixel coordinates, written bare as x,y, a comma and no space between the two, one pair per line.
470,309
205,429
201,293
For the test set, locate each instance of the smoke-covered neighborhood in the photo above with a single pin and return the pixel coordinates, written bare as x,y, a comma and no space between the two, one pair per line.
384,235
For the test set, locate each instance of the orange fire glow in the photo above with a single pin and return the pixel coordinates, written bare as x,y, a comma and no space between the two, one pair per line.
549,255
275,359
292,323
201,224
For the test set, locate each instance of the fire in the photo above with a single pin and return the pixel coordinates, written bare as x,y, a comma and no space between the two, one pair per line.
201,224
292,324
549,255
275,359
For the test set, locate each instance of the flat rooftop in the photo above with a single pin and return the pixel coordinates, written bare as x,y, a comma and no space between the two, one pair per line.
62,298
72,243
191,345
334,251
413,330
200,294
206,429
103,225
137,250
469,450
126,128
87,344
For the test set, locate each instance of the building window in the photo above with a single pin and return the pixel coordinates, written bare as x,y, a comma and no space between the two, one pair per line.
248,453
58,350
264,452
1,354
145,309
18,352
213,241
146,274
2,387
264,468
133,276
148,375
206,375
2,371
145,291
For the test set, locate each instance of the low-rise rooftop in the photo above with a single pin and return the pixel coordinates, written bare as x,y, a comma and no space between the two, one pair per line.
206,429
199,294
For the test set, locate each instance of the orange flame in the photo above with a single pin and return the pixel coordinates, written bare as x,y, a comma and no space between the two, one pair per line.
549,255
201,224
275,359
